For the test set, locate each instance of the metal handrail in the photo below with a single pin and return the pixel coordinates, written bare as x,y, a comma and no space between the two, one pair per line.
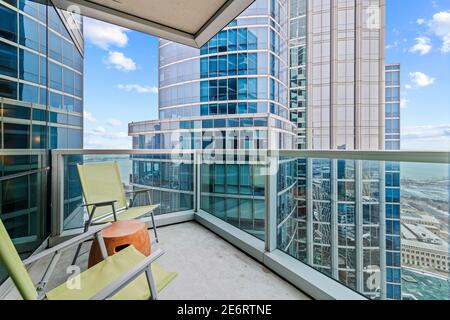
435,157
24,174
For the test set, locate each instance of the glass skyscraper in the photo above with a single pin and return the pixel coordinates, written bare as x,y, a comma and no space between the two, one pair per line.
41,99
298,74
231,94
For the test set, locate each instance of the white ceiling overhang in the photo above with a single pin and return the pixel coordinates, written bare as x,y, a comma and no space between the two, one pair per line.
190,22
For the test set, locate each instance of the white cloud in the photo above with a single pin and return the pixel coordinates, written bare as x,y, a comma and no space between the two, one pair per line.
422,46
394,45
420,21
137,88
102,138
420,79
114,122
440,26
89,117
431,137
119,61
404,103
408,86
104,35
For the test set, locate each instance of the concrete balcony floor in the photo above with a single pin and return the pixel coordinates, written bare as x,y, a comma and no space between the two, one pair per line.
208,267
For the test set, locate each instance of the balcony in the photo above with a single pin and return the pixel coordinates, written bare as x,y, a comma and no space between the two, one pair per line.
262,224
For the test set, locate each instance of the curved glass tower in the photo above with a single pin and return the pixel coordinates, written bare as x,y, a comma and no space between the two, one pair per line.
230,94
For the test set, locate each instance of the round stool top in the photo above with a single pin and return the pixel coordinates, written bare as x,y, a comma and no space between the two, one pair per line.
123,228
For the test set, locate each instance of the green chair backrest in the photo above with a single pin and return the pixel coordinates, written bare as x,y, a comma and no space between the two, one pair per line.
14,266
101,182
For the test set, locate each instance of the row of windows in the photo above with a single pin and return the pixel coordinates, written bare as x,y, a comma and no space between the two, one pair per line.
33,94
233,40
229,65
23,64
230,139
241,179
223,109
164,175
33,35
229,89
21,136
25,113
245,214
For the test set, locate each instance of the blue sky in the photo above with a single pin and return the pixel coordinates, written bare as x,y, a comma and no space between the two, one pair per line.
121,77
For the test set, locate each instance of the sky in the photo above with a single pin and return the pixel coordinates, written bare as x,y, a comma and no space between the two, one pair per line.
121,76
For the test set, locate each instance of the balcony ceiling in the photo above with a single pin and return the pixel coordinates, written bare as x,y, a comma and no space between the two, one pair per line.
190,22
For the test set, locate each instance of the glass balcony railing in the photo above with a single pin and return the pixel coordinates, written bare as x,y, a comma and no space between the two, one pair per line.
337,224
24,203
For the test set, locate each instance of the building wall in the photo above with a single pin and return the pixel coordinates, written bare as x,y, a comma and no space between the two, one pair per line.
41,99
345,107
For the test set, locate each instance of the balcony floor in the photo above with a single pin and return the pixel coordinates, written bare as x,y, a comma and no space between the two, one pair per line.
208,268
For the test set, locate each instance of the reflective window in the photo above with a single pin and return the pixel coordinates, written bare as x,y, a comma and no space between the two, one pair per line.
16,136
8,24
8,60
28,66
29,33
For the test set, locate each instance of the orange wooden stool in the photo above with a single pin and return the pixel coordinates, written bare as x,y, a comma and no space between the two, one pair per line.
120,235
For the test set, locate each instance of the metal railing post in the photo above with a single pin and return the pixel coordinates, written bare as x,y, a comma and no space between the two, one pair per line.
271,202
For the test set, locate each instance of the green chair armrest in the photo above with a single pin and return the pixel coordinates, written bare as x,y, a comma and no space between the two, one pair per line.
66,244
143,266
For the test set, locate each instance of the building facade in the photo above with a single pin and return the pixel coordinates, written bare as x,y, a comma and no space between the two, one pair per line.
231,94
320,66
41,98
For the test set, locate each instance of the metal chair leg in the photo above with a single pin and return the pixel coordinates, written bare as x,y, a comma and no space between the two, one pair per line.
154,227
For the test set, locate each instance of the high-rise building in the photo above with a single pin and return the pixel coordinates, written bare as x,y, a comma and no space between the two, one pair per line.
296,74
41,99
231,94
393,209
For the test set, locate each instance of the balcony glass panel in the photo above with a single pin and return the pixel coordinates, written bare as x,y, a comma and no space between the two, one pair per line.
378,227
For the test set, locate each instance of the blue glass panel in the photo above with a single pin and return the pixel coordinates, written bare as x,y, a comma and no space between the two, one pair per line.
219,123
251,107
232,89
223,108
55,76
8,60
8,89
28,66
213,66
232,40
43,71
222,41
242,108
29,33
204,91
204,110
16,136
242,39
222,66
252,63
213,90
17,112
8,24
43,97
232,108
55,100
242,63
28,93
252,89
39,137
232,64
242,88
55,49
204,67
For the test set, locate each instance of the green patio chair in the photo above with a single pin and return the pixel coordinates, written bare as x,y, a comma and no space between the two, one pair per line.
128,274
105,198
